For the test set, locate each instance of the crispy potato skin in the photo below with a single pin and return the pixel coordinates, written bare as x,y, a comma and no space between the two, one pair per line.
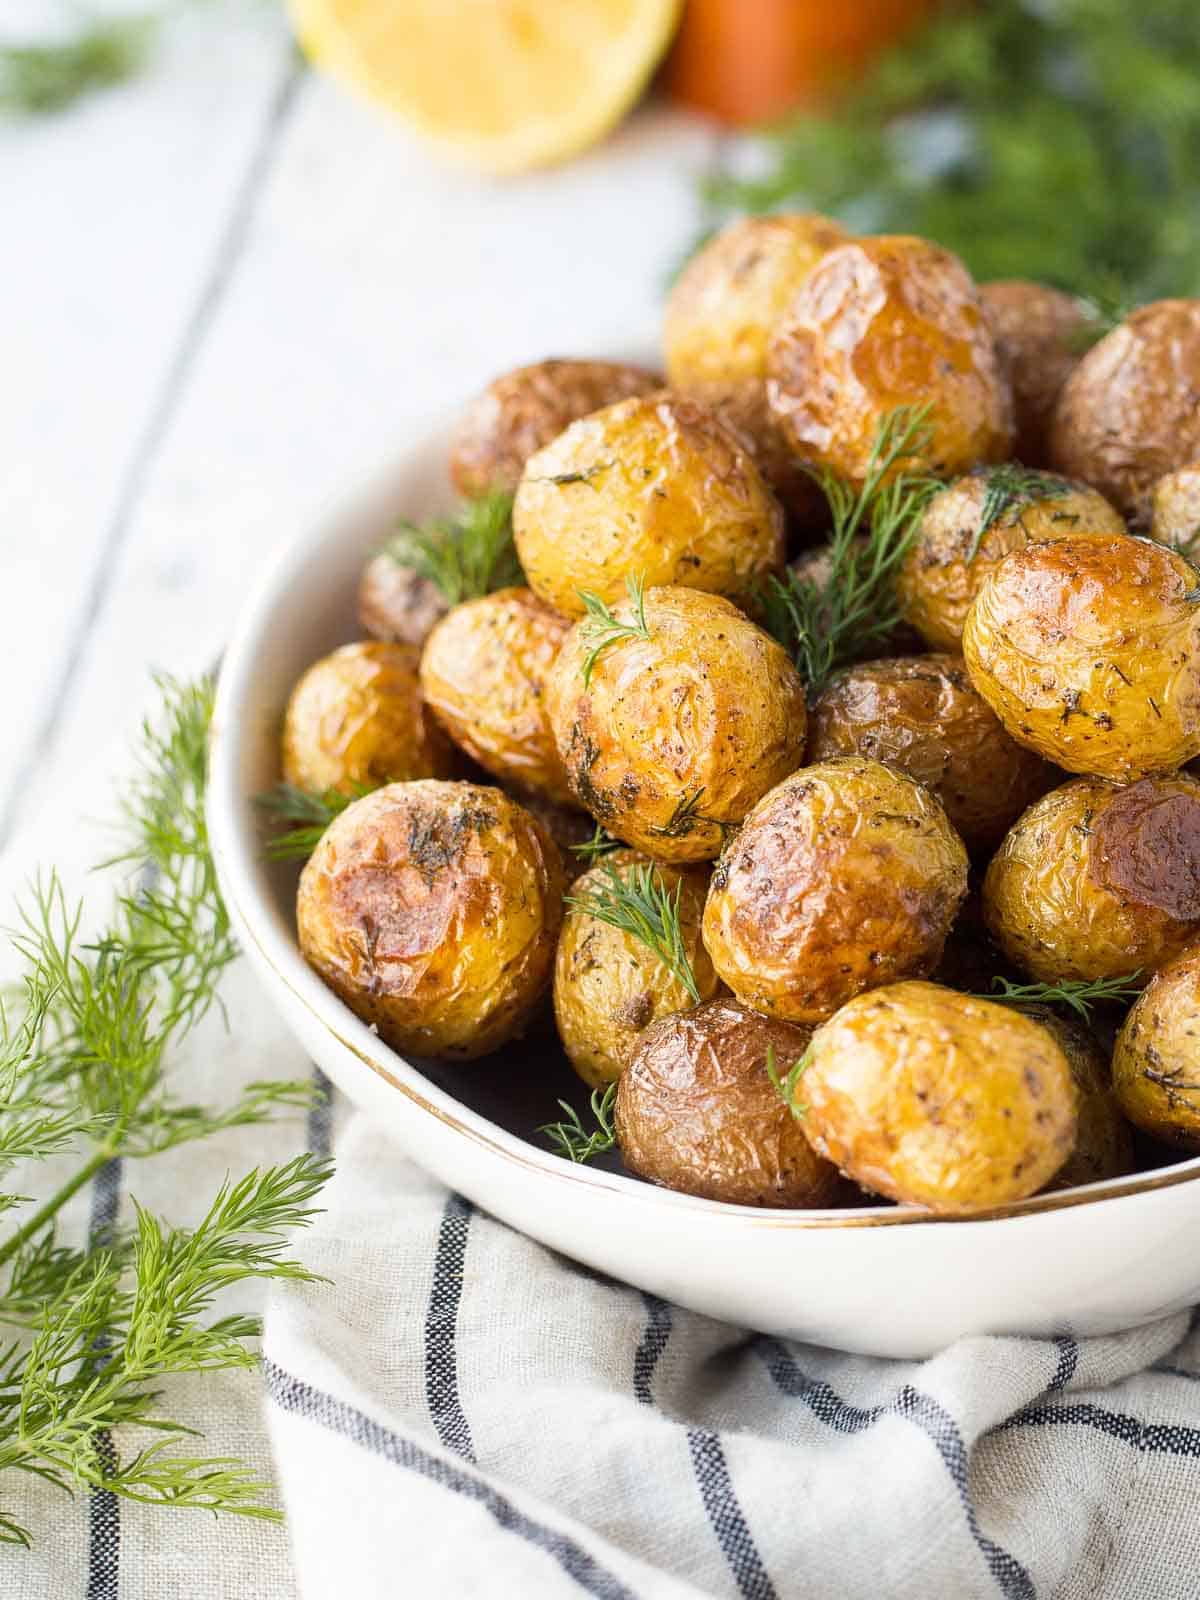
1087,651
608,987
718,319
1156,1063
949,558
881,323
521,411
845,876
656,487
1096,881
923,715
1103,1141
356,719
696,1111
566,825
432,910
940,1100
1035,328
397,604
1130,411
1175,511
678,735
483,675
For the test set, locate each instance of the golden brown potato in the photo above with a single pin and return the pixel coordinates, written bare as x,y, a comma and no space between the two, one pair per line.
1130,411
718,319
844,877
1086,649
1175,511
1038,332
923,716
396,603
697,1111
356,719
608,986
1156,1064
483,675
567,826
432,910
679,732
938,1099
1103,1141
881,323
656,488
1096,881
972,524
522,411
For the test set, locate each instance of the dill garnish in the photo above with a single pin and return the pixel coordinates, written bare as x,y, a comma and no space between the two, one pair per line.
1079,994
602,627
1009,489
600,844
685,816
85,1077
825,625
785,1083
308,815
572,1140
464,556
635,899
44,77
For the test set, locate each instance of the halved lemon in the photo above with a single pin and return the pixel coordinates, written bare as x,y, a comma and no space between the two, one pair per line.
503,85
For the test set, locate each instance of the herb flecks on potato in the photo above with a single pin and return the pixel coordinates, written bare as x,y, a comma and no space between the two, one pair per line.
684,721
846,876
1156,1063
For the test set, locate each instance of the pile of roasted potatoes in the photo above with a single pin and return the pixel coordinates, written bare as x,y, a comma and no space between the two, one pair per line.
809,724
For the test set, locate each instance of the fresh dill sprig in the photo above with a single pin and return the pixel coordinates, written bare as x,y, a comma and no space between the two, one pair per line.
602,627
307,814
464,556
686,815
635,899
1079,994
48,76
1008,489
85,1076
785,1083
572,1140
825,625
600,844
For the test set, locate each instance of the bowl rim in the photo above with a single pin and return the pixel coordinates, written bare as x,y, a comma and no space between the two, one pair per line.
234,843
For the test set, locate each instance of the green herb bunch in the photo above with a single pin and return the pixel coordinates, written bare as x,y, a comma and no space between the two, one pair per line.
85,1054
1048,139
466,555
303,818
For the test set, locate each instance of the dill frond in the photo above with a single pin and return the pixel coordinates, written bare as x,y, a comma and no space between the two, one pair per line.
784,1083
465,556
1078,994
572,1140
602,627
637,901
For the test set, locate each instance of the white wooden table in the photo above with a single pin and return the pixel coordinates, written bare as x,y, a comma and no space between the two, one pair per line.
226,290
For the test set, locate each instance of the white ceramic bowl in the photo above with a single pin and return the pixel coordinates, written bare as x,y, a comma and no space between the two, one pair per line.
884,1280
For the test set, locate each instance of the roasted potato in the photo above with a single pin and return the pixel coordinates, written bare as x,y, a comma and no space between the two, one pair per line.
1039,333
1130,411
972,524
568,826
483,674
608,986
718,319
522,411
1103,1141
356,719
938,1099
845,876
1087,651
1175,511
697,1111
680,727
1096,881
396,603
432,910
881,323
923,716
1156,1064
654,487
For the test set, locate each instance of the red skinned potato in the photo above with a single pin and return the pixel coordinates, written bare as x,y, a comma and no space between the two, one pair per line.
396,603
878,324
1040,334
845,876
697,1111
1130,411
